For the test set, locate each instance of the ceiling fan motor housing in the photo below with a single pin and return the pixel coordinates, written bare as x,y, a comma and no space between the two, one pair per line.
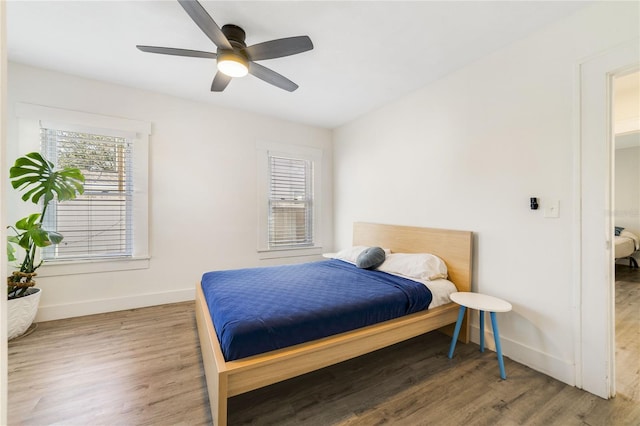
235,35
234,63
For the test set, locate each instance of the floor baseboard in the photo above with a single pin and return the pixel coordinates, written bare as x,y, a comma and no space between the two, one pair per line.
99,306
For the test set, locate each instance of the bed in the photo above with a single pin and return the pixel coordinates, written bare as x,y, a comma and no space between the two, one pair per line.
626,243
229,378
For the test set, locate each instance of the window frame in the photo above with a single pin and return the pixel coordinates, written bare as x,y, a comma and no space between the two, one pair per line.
276,166
52,143
32,117
264,151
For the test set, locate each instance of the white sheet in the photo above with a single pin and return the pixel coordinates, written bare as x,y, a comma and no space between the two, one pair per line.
441,290
625,244
634,237
624,247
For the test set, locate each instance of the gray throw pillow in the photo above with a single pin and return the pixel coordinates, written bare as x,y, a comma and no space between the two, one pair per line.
370,258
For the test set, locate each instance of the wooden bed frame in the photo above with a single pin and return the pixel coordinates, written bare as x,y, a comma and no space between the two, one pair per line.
227,379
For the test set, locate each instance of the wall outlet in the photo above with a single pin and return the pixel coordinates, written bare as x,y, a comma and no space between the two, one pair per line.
552,210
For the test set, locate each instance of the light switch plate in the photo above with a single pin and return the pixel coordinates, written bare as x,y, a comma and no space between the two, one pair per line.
552,209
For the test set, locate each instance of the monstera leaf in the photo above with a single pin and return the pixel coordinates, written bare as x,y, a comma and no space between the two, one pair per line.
11,250
37,176
34,234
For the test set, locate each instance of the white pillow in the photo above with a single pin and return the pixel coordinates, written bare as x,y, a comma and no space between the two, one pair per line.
420,266
351,254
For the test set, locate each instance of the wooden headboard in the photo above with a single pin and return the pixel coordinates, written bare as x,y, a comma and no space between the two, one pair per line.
454,247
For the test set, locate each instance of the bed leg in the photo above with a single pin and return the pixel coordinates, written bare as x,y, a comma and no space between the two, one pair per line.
217,389
219,406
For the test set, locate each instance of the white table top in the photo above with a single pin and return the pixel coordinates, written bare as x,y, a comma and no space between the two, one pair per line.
481,302
329,255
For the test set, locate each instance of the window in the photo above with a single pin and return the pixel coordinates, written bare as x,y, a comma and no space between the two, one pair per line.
290,202
289,193
106,228
98,223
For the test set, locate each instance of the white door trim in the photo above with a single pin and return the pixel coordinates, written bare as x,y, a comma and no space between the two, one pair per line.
594,321
3,264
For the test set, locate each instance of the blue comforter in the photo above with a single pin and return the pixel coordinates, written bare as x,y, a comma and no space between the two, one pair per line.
262,309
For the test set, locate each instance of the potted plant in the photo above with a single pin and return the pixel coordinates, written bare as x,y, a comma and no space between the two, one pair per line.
39,182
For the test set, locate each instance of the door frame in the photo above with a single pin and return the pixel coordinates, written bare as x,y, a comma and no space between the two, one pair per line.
594,290
3,233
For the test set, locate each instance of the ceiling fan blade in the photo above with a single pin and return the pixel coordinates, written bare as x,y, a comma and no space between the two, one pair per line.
177,52
272,77
220,82
206,23
279,48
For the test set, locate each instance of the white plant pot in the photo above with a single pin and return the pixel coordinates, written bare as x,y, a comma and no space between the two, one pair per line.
21,313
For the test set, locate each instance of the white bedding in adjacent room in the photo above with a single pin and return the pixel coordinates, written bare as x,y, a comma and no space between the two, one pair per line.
625,244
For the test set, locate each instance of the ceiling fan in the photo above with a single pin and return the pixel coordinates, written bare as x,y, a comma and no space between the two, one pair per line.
234,58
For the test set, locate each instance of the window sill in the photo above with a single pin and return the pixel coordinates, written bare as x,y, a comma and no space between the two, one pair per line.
289,252
74,267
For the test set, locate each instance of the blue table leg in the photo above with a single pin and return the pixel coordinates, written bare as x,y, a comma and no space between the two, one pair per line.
456,332
481,331
496,337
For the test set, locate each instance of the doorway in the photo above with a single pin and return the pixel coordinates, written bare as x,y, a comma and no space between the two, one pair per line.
594,276
626,187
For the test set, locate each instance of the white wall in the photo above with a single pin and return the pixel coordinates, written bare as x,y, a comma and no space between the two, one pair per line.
467,152
627,189
203,189
626,110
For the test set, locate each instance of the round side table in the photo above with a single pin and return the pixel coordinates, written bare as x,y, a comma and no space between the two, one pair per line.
482,303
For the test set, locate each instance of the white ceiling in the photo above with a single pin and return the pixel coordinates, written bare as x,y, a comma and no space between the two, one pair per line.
366,54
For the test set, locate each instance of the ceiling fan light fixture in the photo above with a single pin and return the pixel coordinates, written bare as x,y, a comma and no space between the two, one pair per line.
233,64
234,58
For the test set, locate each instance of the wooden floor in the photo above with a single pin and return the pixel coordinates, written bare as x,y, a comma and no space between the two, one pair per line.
143,367
628,332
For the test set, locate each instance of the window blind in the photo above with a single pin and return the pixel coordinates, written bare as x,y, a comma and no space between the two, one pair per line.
98,223
290,202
